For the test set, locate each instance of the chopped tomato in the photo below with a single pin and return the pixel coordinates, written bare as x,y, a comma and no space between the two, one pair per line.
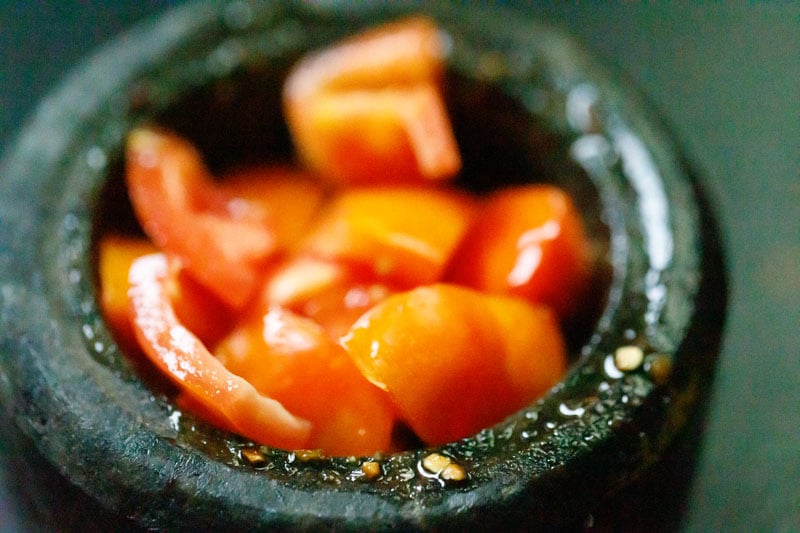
369,110
328,292
300,278
359,291
197,308
291,359
180,355
202,313
223,241
289,197
187,403
455,360
402,234
116,253
527,241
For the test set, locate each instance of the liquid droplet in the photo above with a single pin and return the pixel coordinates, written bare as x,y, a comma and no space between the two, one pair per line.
568,411
96,158
611,369
175,420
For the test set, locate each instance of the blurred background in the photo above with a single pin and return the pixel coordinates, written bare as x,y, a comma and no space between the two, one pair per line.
725,78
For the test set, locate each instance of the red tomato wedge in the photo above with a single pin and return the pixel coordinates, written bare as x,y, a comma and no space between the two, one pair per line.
527,241
197,308
455,360
370,110
180,355
403,234
223,241
291,359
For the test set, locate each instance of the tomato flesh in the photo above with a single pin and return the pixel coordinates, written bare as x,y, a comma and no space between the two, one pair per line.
370,110
455,360
527,241
197,308
115,254
401,234
327,292
221,240
180,355
288,197
292,359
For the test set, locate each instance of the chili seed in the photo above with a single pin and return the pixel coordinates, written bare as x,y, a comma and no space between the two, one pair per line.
435,463
371,469
309,455
453,472
443,467
628,358
254,456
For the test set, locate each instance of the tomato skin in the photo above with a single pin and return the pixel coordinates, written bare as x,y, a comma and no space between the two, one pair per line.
180,355
369,110
116,253
222,242
292,359
197,308
455,360
527,241
404,235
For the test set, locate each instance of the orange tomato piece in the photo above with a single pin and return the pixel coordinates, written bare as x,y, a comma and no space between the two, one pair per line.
289,197
325,291
180,355
455,360
527,241
291,358
300,278
201,312
401,234
370,110
223,241
116,253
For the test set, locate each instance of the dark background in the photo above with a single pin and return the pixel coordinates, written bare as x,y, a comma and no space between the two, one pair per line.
726,79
